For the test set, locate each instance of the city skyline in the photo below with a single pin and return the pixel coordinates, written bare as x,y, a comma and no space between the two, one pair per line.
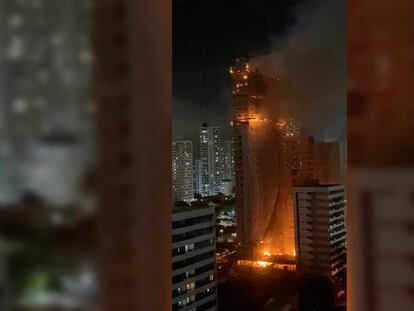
228,136
325,161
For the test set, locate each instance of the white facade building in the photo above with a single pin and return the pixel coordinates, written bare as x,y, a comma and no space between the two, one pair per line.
212,160
320,238
193,259
182,171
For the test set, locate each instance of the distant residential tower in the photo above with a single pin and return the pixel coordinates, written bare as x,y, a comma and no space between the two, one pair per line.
212,160
182,171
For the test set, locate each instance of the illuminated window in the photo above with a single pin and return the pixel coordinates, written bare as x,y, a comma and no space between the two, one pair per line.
189,247
190,286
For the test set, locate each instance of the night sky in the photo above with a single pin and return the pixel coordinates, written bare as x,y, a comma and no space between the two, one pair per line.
303,42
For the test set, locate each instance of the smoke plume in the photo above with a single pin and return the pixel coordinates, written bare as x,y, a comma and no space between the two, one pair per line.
310,62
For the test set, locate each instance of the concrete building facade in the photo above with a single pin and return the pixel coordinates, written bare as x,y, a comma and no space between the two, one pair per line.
320,234
257,167
194,259
328,162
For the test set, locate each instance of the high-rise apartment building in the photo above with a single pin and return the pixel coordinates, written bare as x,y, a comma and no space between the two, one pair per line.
212,160
296,165
320,234
182,171
262,219
197,176
229,172
297,154
327,162
194,259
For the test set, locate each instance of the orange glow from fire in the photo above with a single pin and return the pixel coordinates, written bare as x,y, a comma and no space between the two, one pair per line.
267,249
281,123
261,264
278,240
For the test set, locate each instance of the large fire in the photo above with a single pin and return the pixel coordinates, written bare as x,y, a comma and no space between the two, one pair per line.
270,198
261,264
268,249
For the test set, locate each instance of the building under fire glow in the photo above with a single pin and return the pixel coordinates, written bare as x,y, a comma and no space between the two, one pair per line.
264,219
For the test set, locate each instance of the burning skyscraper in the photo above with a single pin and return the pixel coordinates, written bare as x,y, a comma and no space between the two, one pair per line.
264,222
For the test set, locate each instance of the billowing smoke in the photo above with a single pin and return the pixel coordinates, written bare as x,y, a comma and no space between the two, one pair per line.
310,62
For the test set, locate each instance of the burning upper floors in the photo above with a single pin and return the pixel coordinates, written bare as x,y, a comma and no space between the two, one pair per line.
271,156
